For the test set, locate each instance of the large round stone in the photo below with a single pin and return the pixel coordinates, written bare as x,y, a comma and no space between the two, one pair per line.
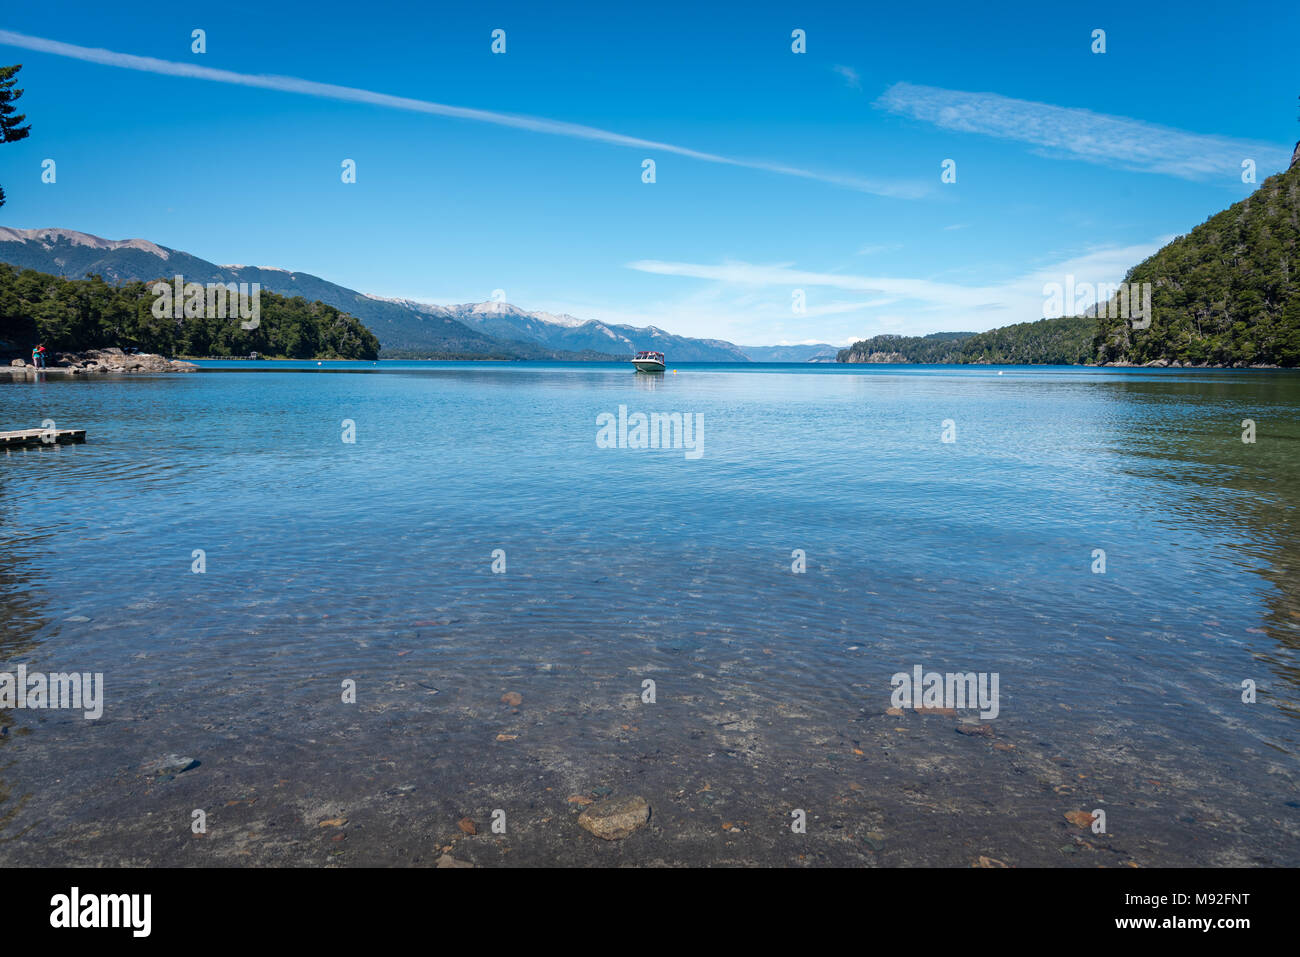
616,818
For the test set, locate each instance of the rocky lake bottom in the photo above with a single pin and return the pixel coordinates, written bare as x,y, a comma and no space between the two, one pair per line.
494,708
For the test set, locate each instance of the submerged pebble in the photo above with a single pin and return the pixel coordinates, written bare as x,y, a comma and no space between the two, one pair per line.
171,764
615,818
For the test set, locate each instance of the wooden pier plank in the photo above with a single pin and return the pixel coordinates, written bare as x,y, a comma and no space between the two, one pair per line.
24,437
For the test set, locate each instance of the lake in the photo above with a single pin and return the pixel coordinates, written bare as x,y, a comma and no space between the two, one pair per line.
530,615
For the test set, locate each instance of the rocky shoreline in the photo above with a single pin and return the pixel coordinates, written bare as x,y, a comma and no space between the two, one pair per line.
1176,364
111,361
897,358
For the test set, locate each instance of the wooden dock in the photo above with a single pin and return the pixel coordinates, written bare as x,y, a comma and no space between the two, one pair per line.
25,437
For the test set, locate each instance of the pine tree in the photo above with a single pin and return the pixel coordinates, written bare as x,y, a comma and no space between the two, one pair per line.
11,128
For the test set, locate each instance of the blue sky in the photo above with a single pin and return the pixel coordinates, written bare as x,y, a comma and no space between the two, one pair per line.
820,171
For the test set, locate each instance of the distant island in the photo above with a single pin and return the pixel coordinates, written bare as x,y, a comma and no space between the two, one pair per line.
1063,341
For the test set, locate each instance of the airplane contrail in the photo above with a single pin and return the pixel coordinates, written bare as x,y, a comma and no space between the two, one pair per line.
288,84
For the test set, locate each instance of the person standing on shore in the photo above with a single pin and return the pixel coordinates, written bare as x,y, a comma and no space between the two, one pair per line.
38,356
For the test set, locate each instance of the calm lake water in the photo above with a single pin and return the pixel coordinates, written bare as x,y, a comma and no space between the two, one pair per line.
371,561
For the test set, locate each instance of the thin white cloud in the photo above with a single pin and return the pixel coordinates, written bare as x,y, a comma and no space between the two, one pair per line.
287,84
850,75
755,298
1080,134
837,308
741,273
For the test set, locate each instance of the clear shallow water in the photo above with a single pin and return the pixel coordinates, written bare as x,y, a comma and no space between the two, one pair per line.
372,561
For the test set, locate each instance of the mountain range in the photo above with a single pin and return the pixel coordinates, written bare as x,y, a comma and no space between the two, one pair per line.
1224,294
405,328
565,334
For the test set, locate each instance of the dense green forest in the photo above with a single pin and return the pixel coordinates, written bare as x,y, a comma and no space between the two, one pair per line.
1064,341
77,314
1225,294
938,347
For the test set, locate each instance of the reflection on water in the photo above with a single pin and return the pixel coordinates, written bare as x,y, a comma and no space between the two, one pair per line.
371,561
1211,477
20,614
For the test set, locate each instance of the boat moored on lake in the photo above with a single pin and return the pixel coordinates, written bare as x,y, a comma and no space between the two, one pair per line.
649,361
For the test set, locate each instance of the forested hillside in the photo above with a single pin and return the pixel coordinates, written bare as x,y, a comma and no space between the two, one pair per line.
1064,341
1227,293
79,314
